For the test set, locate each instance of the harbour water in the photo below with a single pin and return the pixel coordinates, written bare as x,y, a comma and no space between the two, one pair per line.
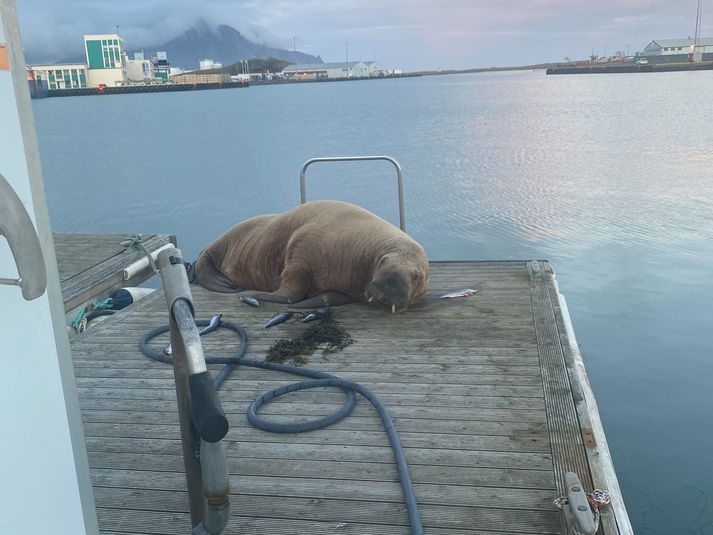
610,177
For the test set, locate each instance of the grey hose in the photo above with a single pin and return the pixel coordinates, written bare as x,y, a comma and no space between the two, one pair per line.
319,379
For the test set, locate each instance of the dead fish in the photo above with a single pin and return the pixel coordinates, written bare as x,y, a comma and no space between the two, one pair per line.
250,301
212,326
279,318
465,292
320,314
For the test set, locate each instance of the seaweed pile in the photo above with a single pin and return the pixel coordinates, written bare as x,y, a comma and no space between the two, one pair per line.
325,336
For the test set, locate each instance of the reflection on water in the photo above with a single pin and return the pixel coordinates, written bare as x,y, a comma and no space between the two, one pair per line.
607,176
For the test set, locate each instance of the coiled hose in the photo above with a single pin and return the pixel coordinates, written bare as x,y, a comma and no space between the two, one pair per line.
318,380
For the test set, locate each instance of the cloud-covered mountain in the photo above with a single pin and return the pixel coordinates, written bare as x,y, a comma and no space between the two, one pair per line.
224,44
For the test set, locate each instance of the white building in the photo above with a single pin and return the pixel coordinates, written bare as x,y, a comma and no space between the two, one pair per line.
374,69
672,47
66,76
139,71
106,60
205,64
343,69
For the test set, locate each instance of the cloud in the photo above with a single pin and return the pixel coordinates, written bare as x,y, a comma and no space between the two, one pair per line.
412,34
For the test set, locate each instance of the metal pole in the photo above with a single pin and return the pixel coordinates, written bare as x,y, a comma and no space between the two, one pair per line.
189,440
176,290
397,166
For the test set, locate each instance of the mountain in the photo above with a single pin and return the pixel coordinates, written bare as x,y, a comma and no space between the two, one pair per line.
224,44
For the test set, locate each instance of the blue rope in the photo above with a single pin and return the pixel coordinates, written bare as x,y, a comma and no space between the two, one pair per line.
319,380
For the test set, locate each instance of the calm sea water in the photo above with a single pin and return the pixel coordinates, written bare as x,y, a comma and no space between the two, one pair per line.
610,177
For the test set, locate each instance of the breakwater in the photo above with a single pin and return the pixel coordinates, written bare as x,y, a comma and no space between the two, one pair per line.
155,88
630,67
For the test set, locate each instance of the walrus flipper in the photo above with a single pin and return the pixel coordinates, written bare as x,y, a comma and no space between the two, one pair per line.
293,287
206,274
222,284
325,299
273,297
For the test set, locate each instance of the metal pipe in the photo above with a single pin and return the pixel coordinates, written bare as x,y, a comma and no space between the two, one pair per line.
200,415
172,274
399,178
217,489
183,316
189,438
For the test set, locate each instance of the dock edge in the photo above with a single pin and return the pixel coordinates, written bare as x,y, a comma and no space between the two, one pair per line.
597,448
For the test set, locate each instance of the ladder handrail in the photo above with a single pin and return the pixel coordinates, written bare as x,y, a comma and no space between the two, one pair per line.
399,177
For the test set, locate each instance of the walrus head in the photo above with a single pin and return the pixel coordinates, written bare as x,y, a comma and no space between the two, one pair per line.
398,281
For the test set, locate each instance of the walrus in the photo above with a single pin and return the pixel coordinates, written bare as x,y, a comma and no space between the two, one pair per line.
321,253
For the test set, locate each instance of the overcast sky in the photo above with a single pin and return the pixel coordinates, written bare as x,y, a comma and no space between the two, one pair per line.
408,34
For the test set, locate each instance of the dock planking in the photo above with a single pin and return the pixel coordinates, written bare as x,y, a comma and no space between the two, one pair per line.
91,265
478,387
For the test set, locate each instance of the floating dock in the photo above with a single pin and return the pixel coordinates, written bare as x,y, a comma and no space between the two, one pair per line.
488,393
92,266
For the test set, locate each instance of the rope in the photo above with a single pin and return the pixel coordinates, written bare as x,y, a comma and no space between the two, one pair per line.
598,499
79,323
318,380
137,241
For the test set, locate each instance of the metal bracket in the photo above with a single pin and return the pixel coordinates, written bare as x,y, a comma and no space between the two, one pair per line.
17,227
399,178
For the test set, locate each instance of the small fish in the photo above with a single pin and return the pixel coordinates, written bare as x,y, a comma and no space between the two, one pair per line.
250,301
320,314
465,292
212,326
279,318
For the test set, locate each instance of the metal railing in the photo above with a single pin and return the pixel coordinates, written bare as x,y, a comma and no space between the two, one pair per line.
399,177
201,417
18,229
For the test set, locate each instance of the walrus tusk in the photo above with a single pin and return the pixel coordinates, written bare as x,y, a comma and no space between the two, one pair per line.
393,309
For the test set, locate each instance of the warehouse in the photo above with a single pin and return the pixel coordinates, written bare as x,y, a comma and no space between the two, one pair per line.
344,69
678,49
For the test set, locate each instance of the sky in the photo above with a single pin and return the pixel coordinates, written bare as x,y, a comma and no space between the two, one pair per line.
406,34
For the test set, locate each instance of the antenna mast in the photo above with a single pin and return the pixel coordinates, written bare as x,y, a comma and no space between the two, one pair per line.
697,34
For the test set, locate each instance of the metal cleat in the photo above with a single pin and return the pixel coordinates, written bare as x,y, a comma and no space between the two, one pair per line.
577,511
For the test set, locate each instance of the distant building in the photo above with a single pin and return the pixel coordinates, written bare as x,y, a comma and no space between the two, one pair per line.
196,77
139,70
162,68
352,69
678,49
206,64
107,64
374,69
106,60
64,76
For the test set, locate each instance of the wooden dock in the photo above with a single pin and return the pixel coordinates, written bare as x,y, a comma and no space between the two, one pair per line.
91,266
488,394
